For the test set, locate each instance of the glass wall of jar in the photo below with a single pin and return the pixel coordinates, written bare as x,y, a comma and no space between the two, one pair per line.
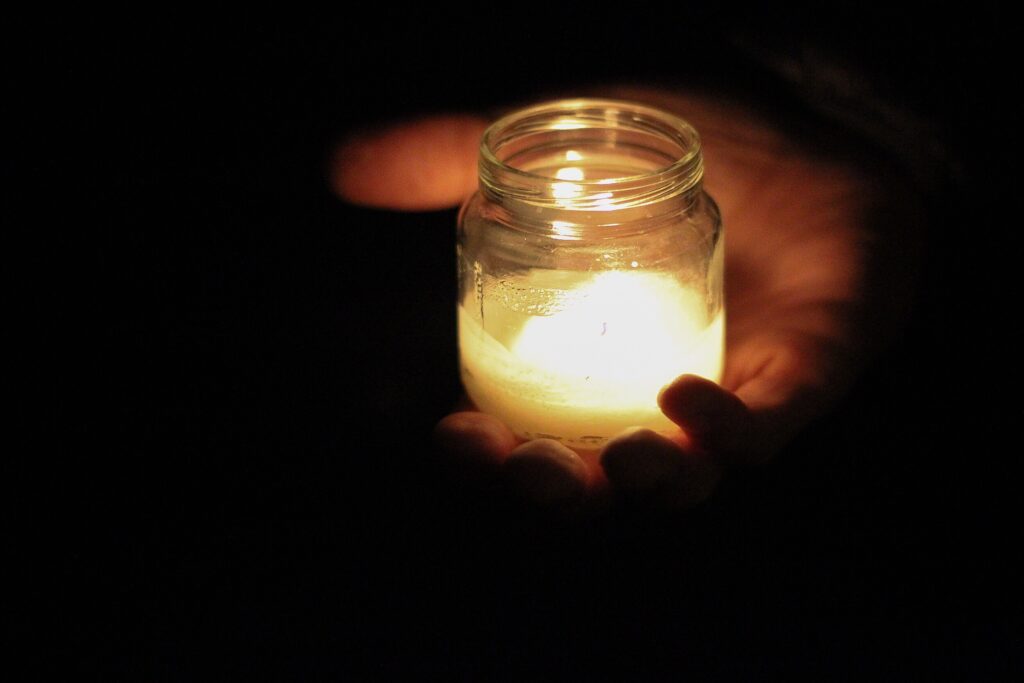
590,270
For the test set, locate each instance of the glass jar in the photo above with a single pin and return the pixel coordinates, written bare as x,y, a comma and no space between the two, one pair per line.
590,270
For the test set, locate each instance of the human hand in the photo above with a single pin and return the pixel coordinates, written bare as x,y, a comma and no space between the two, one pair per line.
797,255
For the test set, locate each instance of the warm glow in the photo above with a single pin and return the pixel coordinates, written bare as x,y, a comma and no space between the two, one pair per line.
562,229
593,361
573,155
570,173
567,190
623,329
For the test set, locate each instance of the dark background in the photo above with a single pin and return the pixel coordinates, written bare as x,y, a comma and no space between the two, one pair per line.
237,373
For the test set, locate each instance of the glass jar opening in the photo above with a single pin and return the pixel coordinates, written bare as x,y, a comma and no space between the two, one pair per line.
590,155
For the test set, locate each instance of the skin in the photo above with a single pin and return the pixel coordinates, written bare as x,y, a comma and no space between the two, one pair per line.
800,259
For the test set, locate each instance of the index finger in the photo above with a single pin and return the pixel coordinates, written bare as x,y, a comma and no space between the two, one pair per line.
419,165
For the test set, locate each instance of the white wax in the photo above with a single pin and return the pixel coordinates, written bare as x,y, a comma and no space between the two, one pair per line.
595,363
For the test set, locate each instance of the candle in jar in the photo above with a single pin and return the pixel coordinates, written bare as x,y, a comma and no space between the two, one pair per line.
581,356
590,270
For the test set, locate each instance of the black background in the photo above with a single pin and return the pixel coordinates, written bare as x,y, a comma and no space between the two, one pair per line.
234,374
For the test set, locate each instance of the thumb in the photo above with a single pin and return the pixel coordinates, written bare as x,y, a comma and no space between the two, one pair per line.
418,165
780,386
717,420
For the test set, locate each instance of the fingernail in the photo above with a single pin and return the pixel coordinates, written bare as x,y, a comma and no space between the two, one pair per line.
640,461
695,404
472,445
546,472
652,470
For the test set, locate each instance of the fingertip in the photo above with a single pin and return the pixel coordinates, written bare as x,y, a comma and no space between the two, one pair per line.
712,416
649,468
693,392
639,460
547,473
472,440
421,165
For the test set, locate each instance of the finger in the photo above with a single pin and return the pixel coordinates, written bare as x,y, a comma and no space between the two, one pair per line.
789,381
547,473
780,404
644,466
715,419
473,445
415,166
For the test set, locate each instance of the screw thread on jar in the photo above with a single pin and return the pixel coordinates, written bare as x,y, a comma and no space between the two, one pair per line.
568,160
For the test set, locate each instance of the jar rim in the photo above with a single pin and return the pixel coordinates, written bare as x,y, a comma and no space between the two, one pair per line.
680,176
